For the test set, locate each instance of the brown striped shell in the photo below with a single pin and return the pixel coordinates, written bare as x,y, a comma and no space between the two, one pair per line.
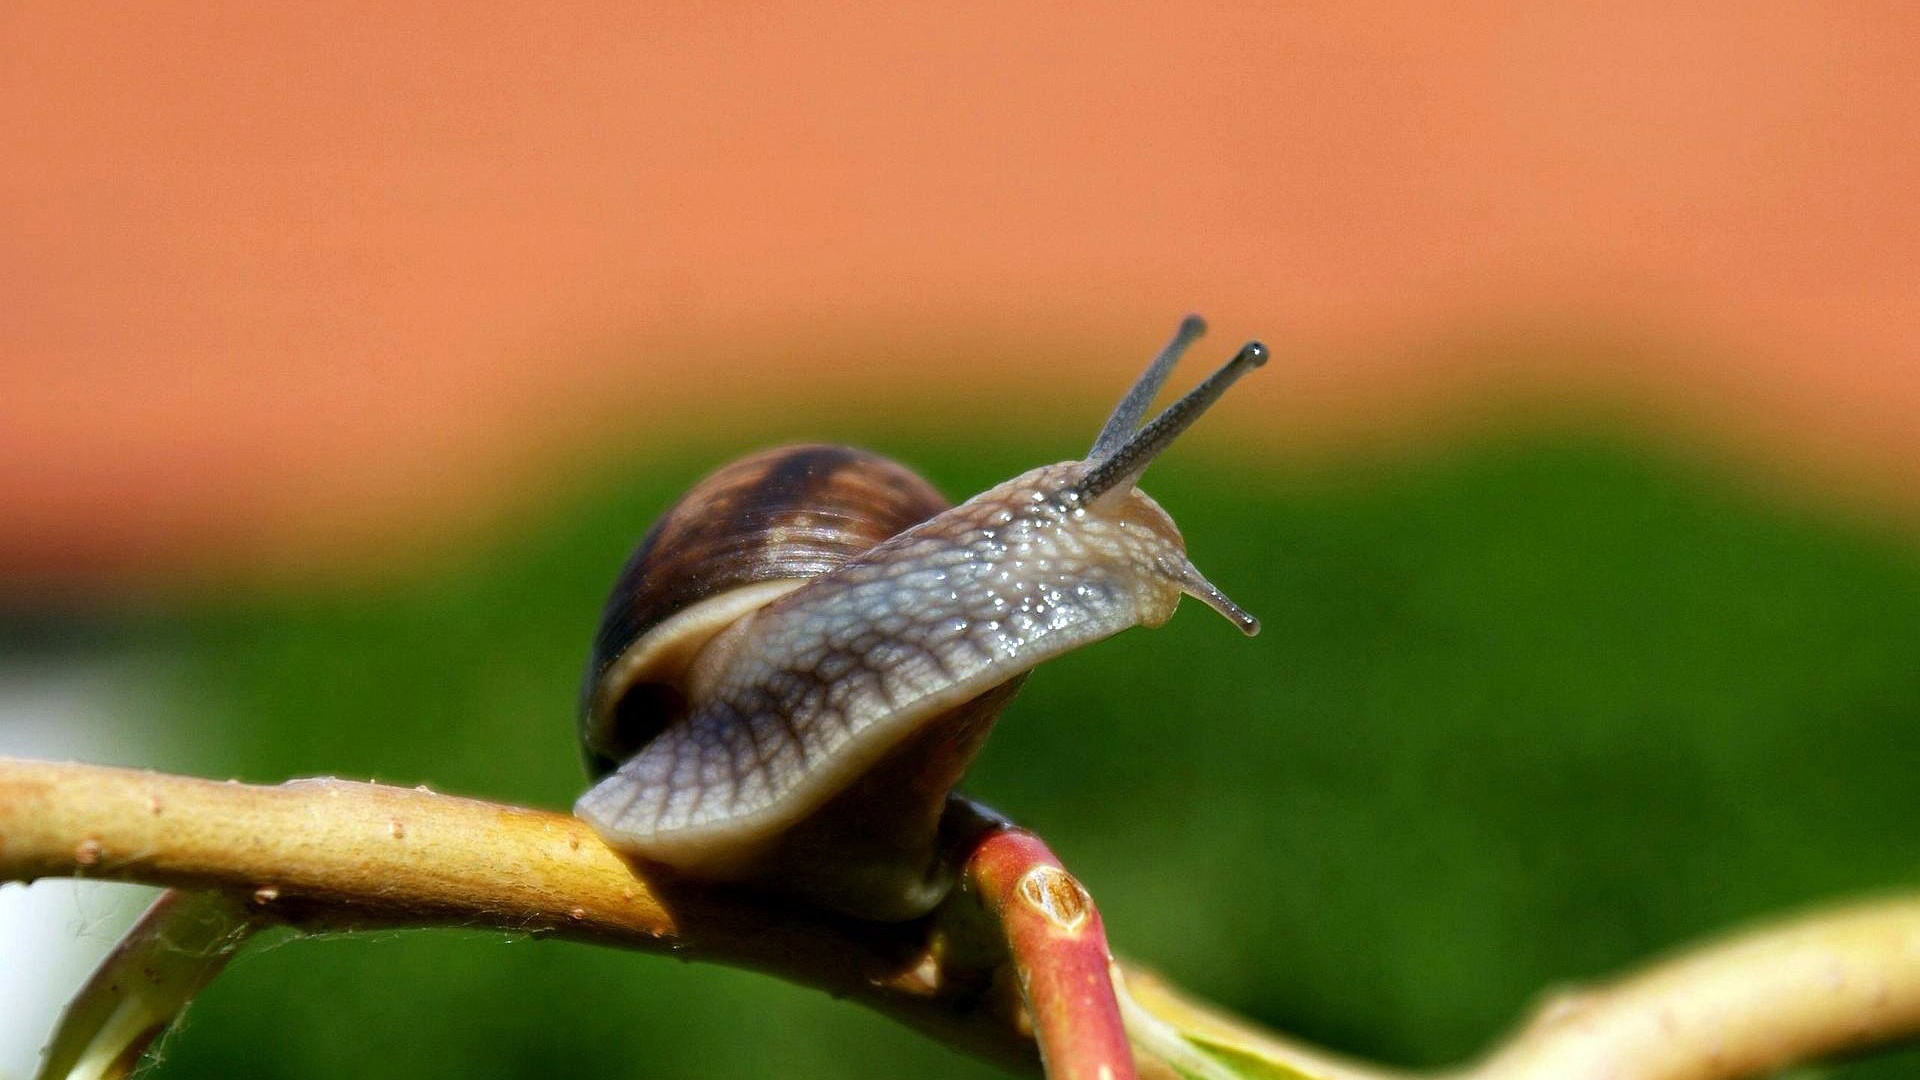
742,536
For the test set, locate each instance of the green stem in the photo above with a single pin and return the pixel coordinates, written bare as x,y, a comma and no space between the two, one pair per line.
145,983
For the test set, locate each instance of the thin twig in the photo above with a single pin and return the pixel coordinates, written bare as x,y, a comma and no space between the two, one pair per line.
1059,950
1833,981
1836,980
179,944
333,855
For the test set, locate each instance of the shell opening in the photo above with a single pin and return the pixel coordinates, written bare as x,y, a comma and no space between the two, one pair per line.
633,697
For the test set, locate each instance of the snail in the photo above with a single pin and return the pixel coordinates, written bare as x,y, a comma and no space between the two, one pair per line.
803,655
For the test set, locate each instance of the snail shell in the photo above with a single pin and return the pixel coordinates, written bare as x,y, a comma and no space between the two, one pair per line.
753,530
806,652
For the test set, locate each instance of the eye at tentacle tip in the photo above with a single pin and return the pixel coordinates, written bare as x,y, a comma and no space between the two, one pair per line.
1251,355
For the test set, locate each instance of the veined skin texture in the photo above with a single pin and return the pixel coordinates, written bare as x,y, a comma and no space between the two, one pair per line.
802,696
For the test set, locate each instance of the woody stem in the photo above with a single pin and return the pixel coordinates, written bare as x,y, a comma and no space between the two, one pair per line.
1059,949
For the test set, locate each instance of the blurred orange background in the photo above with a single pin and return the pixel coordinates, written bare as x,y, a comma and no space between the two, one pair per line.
281,288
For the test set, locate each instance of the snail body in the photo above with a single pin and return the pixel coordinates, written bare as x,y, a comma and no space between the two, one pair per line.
804,655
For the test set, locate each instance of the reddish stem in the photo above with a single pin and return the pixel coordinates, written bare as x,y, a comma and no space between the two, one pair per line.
1059,949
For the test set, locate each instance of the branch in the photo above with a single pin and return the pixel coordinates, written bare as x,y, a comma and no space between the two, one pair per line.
331,855
176,948
1833,981
1059,950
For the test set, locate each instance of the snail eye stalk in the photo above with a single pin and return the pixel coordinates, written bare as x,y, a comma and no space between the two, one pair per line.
1132,410
1131,458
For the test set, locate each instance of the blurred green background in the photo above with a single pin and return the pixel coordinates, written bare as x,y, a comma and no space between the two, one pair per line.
1528,708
